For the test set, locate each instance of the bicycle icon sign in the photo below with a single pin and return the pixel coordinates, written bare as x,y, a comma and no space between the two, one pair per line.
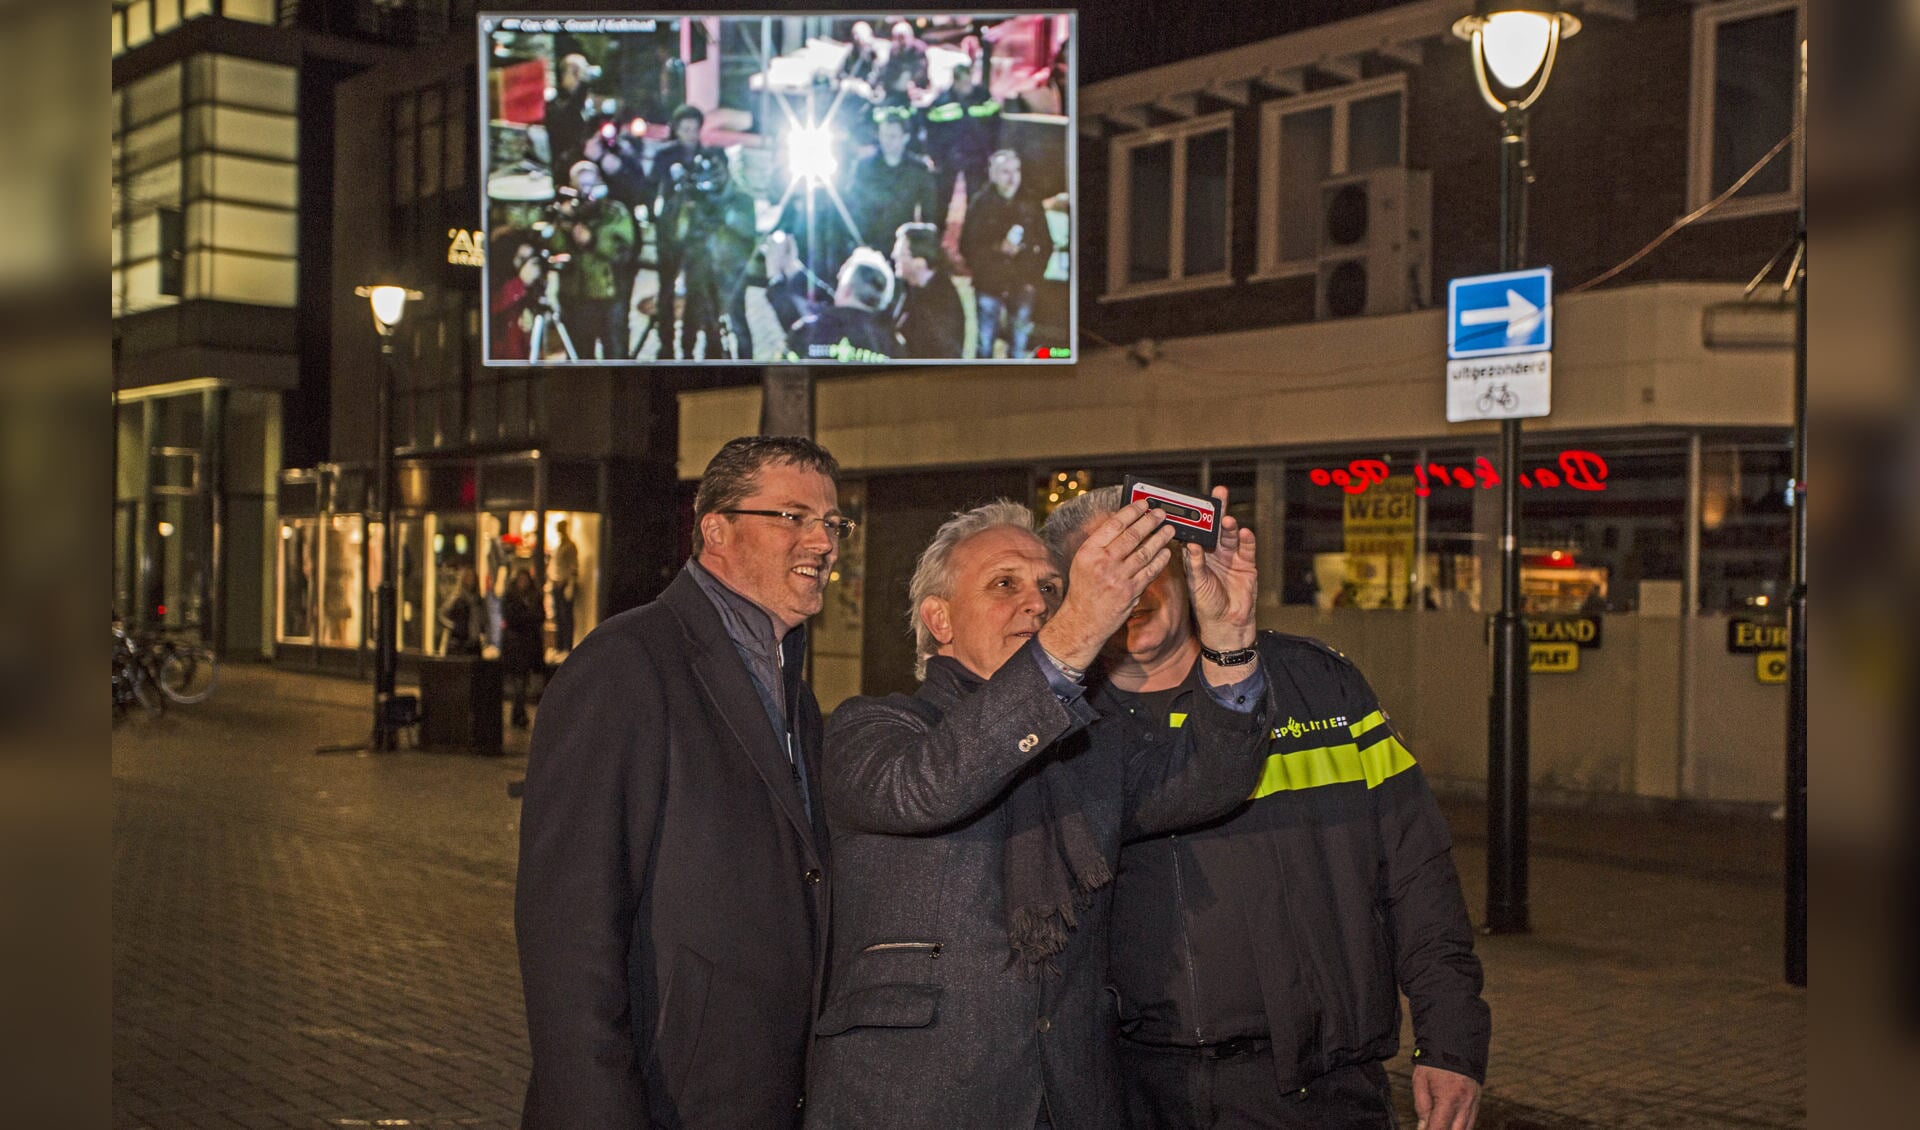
1499,388
1497,396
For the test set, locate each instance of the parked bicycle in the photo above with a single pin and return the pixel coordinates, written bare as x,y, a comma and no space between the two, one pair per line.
152,671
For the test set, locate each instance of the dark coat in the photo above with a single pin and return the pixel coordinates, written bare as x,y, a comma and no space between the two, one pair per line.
672,902
1335,882
931,321
521,624
990,216
926,1024
881,197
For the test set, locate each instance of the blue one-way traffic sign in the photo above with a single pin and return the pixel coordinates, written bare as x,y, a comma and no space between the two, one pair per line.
1489,315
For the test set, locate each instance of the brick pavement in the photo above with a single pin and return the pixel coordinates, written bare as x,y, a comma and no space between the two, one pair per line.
305,940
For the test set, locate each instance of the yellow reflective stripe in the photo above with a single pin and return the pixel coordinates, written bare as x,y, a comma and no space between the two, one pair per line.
1176,720
1333,765
950,112
1368,723
983,110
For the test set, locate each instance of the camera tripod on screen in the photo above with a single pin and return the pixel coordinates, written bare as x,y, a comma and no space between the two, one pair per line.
546,315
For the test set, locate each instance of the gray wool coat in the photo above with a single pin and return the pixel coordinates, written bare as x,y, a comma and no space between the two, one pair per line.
926,1024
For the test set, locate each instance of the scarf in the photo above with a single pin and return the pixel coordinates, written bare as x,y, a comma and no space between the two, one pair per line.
1052,862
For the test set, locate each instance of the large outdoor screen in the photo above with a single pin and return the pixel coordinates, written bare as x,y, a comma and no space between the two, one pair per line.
821,188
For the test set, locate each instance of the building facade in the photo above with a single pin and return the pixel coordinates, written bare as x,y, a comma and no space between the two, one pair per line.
1265,236
222,216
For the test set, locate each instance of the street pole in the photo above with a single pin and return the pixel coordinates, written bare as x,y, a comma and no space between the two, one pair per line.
1507,708
1796,784
385,653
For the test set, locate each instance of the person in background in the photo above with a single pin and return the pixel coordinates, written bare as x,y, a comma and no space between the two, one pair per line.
667,191
963,127
463,616
892,187
904,75
862,60
597,232
568,109
858,326
1006,245
931,322
563,579
522,651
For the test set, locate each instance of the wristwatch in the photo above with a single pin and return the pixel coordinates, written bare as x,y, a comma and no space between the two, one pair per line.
1230,658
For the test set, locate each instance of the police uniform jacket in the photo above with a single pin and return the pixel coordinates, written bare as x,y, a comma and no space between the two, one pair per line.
1303,915
927,1023
672,899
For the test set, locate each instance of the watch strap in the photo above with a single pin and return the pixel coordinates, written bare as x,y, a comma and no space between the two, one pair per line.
1234,658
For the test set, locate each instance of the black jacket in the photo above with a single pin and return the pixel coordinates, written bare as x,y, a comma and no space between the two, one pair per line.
881,197
672,900
927,1025
990,216
931,321
1336,879
844,334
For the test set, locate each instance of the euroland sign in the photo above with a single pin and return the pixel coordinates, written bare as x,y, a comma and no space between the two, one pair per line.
1574,470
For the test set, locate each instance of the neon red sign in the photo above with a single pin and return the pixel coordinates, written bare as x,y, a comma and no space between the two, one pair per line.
1575,469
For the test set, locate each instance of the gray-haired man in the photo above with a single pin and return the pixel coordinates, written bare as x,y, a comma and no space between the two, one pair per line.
977,823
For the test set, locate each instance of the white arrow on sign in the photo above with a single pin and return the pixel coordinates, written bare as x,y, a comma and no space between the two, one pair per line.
1520,316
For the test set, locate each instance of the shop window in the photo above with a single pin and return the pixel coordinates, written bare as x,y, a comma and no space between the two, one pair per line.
1384,530
1354,548
1746,530
1590,550
573,577
1746,60
1171,222
838,633
299,566
342,587
1308,139
411,587
454,546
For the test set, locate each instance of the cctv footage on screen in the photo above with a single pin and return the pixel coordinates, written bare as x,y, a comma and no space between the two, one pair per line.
762,189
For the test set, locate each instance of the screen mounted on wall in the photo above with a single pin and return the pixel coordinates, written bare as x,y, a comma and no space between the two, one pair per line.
804,188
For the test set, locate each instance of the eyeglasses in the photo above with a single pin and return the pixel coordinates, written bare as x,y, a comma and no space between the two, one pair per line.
839,529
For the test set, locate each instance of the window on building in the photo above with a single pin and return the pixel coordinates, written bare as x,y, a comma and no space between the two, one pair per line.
206,185
1746,60
429,141
1309,139
1172,212
252,11
1746,531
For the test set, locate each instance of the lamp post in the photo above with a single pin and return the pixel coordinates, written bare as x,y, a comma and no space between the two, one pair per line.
389,304
1514,46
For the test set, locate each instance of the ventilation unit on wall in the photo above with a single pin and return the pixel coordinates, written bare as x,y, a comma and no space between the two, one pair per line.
1375,255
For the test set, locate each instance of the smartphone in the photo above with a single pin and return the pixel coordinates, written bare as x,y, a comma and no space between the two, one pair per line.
1194,517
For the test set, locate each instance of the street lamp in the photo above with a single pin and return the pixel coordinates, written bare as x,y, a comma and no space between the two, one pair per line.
1514,47
389,305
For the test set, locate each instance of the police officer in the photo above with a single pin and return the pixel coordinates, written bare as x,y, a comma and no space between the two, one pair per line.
1258,961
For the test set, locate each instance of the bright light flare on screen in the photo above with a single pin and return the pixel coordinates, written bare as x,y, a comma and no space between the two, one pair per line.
810,153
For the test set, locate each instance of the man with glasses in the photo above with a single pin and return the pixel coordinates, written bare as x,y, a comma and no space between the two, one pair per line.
672,900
